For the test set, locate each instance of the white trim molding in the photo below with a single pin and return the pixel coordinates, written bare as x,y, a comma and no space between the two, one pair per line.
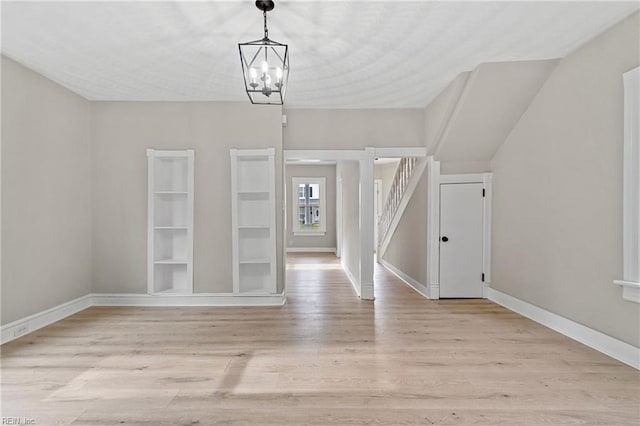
608,345
433,228
34,322
311,162
400,152
630,290
311,250
322,155
367,222
630,281
410,282
339,209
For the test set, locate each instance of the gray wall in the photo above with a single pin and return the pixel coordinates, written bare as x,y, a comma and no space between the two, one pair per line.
46,193
329,172
353,128
557,213
350,176
122,131
407,250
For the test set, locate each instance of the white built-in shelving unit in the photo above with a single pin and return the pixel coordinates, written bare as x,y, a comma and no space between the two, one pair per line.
253,211
170,221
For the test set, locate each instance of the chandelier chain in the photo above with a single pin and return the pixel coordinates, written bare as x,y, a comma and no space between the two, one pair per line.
266,30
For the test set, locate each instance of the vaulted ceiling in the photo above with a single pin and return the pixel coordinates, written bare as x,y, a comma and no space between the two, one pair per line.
389,54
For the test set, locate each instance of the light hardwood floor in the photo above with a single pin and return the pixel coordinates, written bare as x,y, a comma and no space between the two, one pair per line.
323,358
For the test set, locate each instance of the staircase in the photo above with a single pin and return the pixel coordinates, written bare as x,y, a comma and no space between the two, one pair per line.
404,183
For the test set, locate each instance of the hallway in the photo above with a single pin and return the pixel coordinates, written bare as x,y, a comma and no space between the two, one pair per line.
323,358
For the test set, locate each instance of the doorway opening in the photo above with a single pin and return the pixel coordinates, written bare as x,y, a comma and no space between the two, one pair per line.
323,213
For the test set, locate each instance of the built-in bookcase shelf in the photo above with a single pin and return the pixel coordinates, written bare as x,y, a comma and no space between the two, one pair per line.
254,224
170,221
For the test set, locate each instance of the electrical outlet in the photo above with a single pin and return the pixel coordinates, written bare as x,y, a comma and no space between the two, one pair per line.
24,329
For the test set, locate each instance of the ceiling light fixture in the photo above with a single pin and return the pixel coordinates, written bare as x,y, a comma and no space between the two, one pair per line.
265,65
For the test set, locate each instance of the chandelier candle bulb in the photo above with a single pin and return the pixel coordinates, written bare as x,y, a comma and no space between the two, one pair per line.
253,75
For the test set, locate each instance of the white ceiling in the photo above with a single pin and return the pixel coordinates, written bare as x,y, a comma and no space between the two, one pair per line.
343,54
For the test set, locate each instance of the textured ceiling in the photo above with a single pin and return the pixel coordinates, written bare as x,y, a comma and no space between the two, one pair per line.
343,54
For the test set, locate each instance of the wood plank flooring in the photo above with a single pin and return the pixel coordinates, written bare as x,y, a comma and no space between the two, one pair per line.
324,358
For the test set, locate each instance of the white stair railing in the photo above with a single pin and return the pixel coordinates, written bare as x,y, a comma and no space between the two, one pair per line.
398,188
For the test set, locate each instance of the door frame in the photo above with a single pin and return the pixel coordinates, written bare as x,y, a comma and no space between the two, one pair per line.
376,203
433,217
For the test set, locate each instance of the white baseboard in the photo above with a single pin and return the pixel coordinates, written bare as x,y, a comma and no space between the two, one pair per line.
311,250
34,322
434,291
197,299
608,345
485,289
415,285
354,282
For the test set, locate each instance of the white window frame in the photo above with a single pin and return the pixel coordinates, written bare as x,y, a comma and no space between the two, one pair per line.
321,182
630,281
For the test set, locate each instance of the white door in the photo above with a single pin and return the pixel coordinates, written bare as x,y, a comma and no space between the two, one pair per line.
461,220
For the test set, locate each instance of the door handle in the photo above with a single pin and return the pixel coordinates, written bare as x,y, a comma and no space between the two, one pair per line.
445,239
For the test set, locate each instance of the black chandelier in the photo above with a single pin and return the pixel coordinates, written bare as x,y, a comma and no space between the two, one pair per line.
265,65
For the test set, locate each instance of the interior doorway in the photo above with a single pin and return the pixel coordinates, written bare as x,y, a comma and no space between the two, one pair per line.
352,234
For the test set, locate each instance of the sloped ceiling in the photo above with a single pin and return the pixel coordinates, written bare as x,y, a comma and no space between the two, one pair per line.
388,54
493,99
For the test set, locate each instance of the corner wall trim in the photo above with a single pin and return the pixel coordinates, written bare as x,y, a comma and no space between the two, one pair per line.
608,345
630,290
311,250
415,285
34,322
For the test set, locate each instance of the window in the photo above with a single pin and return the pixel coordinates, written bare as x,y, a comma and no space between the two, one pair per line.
309,206
631,189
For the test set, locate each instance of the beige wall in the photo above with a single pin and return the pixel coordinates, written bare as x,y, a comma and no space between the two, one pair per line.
329,172
493,99
460,167
353,128
407,250
557,213
122,131
438,112
46,193
350,177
